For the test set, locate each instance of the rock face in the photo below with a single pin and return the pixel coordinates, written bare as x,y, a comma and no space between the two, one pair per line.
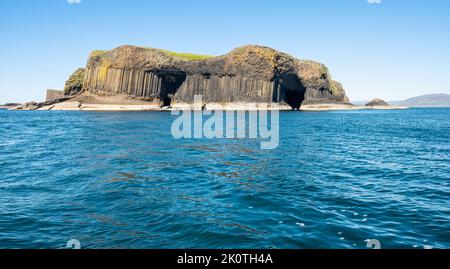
247,74
377,102
54,94
74,84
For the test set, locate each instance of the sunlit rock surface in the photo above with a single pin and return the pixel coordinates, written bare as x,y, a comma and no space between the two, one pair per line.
251,73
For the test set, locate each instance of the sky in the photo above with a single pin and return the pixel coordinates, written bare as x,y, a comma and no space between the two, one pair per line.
389,49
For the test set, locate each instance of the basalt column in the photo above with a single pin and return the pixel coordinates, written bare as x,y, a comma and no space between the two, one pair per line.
250,74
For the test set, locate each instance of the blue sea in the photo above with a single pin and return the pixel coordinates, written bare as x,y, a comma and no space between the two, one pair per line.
120,180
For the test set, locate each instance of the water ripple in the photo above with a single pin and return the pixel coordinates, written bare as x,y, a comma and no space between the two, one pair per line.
119,180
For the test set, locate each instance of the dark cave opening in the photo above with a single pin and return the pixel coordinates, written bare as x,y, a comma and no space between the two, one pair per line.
171,81
294,98
292,90
167,101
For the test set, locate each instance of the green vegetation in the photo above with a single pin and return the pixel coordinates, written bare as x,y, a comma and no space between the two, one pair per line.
183,56
335,87
96,53
74,84
187,56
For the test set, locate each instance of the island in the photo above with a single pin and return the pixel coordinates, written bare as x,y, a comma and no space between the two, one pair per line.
247,78
378,103
136,78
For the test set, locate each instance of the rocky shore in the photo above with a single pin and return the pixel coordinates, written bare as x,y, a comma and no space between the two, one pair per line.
9,106
124,103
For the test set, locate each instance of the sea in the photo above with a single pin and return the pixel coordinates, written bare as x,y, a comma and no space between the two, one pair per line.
120,180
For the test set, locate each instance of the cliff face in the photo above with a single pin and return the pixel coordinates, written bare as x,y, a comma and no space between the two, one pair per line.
54,94
74,84
248,74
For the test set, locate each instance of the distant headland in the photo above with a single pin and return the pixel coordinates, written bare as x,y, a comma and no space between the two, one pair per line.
428,100
136,78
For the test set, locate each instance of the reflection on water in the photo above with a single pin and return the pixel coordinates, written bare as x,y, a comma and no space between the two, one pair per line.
119,180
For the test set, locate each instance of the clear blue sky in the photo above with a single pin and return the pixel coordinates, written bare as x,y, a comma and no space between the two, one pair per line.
392,50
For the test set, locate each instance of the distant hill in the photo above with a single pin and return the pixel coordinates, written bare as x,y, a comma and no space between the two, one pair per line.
429,100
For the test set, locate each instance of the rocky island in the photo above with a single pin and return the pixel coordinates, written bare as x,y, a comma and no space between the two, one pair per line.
381,104
136,78
377,102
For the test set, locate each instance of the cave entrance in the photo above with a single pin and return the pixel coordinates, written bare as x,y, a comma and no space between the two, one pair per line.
167,101
294,98
292,90
171,81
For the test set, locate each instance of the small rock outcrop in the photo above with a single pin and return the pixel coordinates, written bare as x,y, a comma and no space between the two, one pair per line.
377,102
27,106
253,74
74,84
9,105
35,106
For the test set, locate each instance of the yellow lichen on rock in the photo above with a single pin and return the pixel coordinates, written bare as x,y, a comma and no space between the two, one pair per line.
96,53
74,84
103,72
247,53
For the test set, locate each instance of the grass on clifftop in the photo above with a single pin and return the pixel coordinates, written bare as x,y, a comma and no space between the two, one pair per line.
96,53
187,56
183,56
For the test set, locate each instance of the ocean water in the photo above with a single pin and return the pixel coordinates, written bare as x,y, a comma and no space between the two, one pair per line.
119,180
